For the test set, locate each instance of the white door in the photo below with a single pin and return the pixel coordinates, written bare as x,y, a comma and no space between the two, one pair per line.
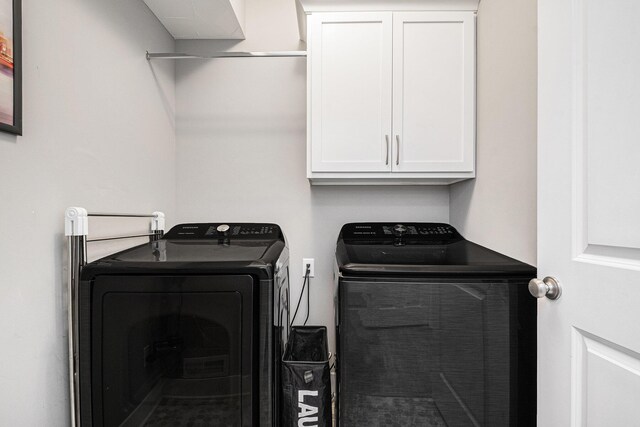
589,212
434,91
350,91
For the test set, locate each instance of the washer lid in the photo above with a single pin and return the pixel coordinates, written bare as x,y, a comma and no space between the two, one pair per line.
418,249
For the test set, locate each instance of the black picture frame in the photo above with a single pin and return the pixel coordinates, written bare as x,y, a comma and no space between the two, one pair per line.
16,126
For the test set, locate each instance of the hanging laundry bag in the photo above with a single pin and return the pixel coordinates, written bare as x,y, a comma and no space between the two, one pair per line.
306,379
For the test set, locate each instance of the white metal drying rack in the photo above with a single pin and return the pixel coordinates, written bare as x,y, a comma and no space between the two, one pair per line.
274,54
76,228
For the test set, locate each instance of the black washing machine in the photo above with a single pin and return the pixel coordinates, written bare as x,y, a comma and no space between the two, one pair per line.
187,330
433,330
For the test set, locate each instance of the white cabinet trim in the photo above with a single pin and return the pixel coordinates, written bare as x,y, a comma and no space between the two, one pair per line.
311,6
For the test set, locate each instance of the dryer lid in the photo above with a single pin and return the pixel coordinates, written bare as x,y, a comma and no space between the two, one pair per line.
200,248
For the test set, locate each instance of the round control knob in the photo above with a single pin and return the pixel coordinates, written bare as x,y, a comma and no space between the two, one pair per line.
548,287
222,228
399,230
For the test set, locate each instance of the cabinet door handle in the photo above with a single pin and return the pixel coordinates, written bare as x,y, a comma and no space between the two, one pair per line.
386,137
397,150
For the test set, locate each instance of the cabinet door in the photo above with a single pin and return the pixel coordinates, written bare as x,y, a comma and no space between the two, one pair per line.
433,91
350,66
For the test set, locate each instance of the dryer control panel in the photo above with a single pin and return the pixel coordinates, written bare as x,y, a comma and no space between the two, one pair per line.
254,231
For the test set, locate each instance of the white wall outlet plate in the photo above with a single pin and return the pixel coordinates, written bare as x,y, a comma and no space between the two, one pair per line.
309,261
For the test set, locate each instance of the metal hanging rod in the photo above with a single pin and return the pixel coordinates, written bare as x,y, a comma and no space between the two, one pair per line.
120,215
126,236
280,54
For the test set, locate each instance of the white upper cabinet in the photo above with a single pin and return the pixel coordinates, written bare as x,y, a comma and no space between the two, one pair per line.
433,91
391,97
351,95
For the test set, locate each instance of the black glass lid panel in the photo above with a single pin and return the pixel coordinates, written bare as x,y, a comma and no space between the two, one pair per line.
208,243
461,252
413,244
199,251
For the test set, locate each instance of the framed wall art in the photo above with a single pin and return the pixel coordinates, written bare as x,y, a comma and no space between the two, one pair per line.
11,66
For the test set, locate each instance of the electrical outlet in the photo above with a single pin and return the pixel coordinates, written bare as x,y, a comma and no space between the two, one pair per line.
309,261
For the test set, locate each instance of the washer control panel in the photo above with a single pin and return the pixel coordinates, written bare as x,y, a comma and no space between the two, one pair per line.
426,231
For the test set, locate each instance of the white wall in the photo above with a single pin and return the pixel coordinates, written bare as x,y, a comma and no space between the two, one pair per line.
99,133
241,137
498,208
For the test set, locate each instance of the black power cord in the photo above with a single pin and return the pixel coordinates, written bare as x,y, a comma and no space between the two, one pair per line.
308,295
304,285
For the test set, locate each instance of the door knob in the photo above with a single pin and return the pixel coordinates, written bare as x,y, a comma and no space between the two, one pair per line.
548,287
